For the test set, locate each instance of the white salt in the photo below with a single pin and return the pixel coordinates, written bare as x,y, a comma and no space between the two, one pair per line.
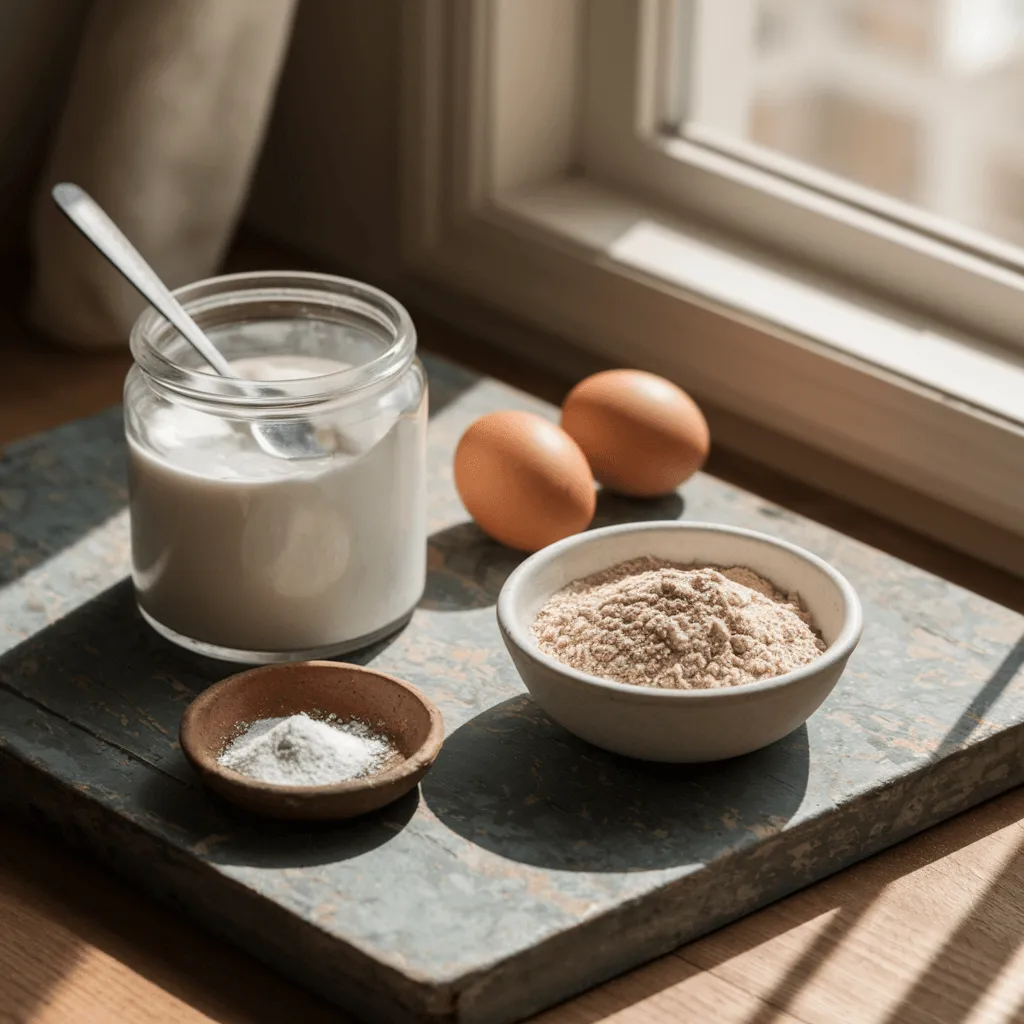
301,751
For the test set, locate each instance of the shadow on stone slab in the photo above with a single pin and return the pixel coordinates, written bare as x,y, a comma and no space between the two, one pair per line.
448,381
614,509
515,783
54,489
222,833
104,670
465,569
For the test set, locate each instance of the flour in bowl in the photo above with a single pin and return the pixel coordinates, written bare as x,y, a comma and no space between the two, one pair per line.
653,623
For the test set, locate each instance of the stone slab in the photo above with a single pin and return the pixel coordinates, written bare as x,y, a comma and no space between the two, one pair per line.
529,865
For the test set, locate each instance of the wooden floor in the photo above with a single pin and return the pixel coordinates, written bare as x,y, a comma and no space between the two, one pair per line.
931,932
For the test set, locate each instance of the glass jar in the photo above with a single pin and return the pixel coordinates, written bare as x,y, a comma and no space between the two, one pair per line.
248,556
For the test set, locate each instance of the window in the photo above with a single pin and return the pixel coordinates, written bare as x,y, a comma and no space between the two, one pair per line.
911,98
861,136
663,183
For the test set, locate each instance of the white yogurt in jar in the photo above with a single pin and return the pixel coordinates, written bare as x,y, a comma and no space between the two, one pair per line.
235,548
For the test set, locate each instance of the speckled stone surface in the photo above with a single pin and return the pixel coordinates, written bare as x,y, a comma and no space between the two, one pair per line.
529,865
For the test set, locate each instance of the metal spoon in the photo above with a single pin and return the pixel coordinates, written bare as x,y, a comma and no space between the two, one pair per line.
286,440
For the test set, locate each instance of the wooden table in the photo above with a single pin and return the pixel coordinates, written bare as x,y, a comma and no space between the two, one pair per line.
931,931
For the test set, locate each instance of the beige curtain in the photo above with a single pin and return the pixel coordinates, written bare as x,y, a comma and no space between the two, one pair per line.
155,107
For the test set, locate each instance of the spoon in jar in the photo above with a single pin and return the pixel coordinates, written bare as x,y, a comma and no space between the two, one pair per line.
291,439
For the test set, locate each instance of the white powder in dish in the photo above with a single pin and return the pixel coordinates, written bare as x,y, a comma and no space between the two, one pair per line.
302,751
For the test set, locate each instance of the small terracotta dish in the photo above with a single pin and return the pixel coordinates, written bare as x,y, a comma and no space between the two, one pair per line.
319,688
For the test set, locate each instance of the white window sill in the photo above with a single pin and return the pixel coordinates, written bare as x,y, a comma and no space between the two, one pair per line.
745,283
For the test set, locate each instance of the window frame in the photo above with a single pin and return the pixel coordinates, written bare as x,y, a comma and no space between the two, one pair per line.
634,137
505,218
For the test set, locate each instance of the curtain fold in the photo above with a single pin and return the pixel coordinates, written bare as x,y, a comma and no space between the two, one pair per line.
162,124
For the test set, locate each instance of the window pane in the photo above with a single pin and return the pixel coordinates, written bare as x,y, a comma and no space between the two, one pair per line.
922,100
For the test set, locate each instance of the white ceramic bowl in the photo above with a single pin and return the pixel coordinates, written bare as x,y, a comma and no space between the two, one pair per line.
679,725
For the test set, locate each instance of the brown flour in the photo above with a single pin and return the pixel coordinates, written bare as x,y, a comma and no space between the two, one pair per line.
648,622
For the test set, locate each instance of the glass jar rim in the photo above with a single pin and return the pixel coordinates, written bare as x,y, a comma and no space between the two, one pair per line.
308,291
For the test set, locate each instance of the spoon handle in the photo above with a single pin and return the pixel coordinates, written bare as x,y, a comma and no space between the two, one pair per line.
90,219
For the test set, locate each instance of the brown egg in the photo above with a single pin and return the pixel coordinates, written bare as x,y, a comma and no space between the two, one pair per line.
524,480
642,435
